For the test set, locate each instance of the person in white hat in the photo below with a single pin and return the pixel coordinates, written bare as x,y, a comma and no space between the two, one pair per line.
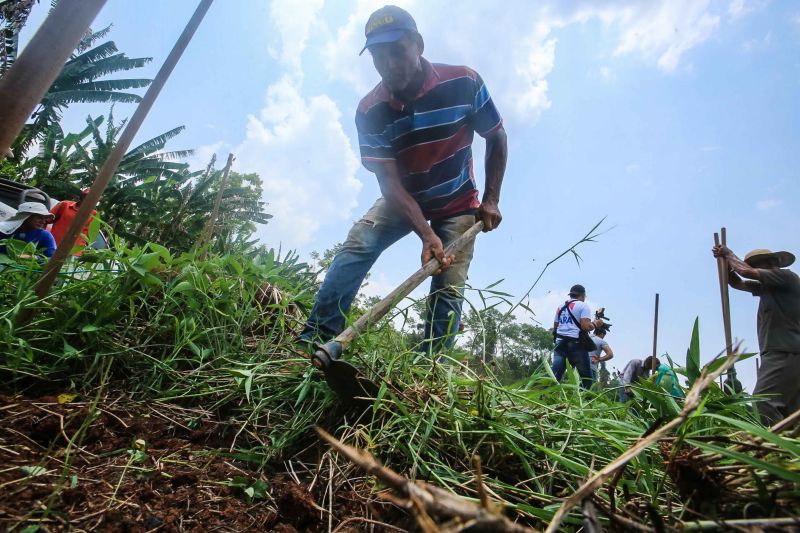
778,325
28,225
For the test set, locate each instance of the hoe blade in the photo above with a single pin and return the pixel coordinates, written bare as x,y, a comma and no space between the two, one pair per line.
348,382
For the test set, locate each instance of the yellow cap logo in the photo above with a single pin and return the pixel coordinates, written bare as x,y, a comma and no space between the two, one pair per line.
378,22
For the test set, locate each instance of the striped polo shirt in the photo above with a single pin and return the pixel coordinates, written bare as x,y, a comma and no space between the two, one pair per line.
430,138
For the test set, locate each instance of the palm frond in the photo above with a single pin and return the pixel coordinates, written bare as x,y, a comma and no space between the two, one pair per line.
109,65
154,144
174,154
98,52
62,98
91,36
112,85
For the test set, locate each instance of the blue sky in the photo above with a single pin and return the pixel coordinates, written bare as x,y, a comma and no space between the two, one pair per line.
670,118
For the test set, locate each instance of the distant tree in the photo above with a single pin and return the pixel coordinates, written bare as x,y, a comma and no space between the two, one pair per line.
613,385
483,333
516,349
324,259
603,375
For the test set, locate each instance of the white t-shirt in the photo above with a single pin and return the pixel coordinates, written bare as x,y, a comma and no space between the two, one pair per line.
600,343
566,327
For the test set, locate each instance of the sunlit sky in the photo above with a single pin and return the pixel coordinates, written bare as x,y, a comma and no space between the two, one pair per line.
670,118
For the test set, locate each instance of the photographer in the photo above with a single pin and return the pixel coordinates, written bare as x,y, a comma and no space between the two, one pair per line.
571,330
603,352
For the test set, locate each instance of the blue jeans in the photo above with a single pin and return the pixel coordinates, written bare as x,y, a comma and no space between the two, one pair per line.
368,238
578,357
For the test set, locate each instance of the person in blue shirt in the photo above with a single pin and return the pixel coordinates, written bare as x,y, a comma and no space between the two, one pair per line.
29,225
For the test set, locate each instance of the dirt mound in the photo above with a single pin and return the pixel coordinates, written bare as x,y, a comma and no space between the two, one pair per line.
130,467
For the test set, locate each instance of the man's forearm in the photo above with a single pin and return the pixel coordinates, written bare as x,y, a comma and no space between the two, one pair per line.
741,268
402,202
735,281
495,166
609,354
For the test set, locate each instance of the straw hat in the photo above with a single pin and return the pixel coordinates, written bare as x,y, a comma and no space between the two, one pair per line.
759,254
25,209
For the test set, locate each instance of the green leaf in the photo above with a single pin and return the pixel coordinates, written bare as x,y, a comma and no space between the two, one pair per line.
789,445
94,229
716,363
770,467
693,354
33,471
89,328
183,286
148,262
237,267
259,489
69,349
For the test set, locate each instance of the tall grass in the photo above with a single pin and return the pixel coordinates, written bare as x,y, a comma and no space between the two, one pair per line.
218,334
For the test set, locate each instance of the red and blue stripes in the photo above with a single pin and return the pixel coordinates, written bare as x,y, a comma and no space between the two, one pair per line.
430,138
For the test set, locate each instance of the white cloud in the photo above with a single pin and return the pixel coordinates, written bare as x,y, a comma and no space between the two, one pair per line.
523,35
665,30
737,8
770,203
294,21
741,8
202,155
298,147
756,44
606,74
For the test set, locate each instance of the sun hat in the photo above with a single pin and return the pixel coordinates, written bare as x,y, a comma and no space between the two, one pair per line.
25,209
386,25
759,254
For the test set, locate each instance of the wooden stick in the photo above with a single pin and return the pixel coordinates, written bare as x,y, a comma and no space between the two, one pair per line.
382,307
431,499
655,336
110,166
209,229
26,83
727,303
722,268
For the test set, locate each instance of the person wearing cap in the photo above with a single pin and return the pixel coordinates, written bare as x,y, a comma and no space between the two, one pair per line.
763,274
28,225
603,351
64,213
415,132
572,318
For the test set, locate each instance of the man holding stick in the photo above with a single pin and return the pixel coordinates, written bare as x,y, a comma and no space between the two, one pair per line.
778,325
415,131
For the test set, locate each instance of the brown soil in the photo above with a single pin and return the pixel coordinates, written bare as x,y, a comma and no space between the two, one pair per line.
179,478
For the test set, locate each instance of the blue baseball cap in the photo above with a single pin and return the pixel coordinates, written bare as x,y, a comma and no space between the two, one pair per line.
387,25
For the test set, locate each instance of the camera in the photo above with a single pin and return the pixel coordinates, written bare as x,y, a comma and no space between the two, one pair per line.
600,314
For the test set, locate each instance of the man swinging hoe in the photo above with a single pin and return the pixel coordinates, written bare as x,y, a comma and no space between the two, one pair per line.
415,132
